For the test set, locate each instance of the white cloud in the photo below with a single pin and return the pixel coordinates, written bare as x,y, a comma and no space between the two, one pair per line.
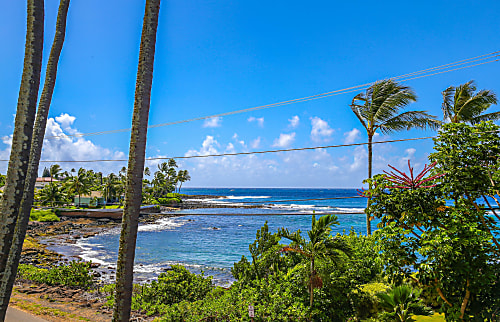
360,159
213,122
237,140
66,121
59,146
294,121
302,169
255,143
209,146
285,140
351,136
260,120
409,155
321,131
230,148
5,154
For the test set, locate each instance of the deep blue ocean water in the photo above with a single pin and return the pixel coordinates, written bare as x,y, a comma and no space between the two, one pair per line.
212,243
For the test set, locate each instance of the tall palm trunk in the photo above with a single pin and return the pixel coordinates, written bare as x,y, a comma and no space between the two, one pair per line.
311,285
133,193
370,156
21,142
36,146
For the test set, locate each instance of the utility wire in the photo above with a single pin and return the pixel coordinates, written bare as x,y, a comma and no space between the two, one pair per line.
249,153
237,153
490,58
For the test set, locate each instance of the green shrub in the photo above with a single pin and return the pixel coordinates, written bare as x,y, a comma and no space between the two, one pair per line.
43,215
175,286
73,274
169,201
172,287
272,301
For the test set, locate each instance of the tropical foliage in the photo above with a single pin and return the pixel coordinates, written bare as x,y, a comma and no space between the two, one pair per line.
379,109
320,245
73,274
464,104
401,302
444,236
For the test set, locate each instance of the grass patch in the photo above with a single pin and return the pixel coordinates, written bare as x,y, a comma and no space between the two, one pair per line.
436,317
112,207
43,215
30,242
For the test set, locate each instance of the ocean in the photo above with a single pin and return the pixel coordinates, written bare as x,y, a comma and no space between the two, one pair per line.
212,239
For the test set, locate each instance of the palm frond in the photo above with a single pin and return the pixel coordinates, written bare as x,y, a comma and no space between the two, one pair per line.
358,109
447,105
294,237
486,117
390,99
467,105
476,104
408,120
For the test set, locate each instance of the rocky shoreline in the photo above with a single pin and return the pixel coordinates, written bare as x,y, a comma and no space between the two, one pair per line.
43,237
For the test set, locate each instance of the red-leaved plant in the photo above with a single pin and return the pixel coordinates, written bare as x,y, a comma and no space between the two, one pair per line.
402,181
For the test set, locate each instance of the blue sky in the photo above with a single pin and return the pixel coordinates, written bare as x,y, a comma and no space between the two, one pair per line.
218,56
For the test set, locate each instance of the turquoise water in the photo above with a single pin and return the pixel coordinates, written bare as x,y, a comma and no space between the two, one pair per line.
212,243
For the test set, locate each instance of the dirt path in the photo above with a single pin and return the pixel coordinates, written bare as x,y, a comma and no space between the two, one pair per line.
16,315
52,310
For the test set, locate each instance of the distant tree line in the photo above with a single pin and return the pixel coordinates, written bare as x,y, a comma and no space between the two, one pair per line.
66,185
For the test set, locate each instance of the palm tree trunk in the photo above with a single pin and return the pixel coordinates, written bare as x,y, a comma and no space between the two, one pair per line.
36,146
137,152
370,156
21,143
311,285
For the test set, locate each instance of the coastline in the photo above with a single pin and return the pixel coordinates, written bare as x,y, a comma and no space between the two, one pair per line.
66,240
52,243
62,240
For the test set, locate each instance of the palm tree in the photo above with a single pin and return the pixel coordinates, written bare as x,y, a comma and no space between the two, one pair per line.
55,170
137,153
182,177
52,193
320,245
379,109
110,187
79,184
464,104
17,171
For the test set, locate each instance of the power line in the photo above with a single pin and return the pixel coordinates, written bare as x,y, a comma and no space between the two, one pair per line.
237,153
249,153
446,68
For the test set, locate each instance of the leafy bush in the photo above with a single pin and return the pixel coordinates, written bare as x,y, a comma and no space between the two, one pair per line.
169,201
342,295
172,287
272,300
73,274
43,215
401,302
175,195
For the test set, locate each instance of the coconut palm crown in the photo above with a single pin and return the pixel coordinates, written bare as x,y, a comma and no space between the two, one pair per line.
379,108
464,104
